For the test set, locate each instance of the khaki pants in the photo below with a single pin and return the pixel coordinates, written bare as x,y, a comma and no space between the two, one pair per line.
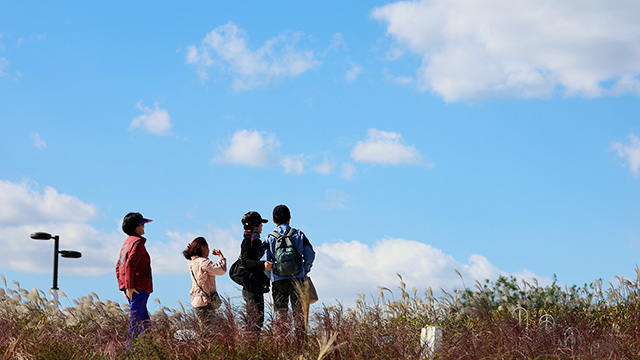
205,315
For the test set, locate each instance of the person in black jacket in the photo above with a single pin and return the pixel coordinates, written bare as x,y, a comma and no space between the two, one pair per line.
251,250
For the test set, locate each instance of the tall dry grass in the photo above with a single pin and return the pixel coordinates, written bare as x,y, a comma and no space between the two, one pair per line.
504,319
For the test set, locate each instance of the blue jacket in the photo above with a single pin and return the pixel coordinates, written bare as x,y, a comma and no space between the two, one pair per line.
303,246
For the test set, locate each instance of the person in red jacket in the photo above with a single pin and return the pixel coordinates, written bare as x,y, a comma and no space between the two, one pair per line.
133,271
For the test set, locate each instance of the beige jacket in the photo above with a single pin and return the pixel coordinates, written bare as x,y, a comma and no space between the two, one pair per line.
205,272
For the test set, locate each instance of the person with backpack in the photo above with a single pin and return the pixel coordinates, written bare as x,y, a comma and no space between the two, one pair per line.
256,282
203,271
292,255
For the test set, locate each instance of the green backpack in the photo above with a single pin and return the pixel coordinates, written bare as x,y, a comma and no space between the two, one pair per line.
287,260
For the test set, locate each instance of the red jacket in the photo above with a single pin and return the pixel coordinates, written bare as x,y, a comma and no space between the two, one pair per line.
133,268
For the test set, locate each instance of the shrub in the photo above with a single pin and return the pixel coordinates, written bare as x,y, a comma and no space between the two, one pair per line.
503,319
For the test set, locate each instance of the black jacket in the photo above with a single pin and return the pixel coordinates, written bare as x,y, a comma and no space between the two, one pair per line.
251,251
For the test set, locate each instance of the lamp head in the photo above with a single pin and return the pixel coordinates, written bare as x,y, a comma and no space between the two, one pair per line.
41,236
70,254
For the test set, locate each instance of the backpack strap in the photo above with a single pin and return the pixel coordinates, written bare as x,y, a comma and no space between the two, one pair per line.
278,236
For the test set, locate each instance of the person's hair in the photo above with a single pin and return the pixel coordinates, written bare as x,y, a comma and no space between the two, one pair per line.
281,214
251,226
195,248
131,222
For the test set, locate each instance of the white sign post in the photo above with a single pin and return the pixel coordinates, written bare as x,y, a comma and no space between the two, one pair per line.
430,341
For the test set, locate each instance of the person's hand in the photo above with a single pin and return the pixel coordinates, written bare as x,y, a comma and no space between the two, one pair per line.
129,293
268,265
217,252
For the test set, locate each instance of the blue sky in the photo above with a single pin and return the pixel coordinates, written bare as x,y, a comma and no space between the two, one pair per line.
417,138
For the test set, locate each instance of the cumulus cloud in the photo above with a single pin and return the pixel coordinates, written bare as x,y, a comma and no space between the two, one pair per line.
353,72
226,49
156,121
360,267
523,49
253,148
20,204
399,80
4,64
334,199
293,164
325,167
630,152
24,210
23,254
348,171
37,141
337,42
387,148
363,268
167,256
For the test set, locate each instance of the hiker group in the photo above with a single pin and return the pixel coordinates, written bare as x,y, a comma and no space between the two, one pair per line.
281,262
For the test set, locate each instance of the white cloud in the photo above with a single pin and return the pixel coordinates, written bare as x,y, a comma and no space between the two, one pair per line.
253,148
192,57
20,204
4,64
337,42
364,268
156,121
399,80
37,141
627,84
293,164
325,167
629,152
527,48
226,48
353,72
388,148
167,256
24,254
24,210
361,268
348,171
334,199
394,54
100,250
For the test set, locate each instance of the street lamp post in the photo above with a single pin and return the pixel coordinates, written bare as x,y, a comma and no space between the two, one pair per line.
64,253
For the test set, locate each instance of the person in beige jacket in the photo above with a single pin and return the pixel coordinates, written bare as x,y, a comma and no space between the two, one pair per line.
203,274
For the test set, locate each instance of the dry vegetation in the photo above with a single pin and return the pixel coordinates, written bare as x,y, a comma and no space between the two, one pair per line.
505,319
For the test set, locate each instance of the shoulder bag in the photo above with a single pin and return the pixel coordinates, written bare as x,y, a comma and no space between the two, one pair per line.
214,299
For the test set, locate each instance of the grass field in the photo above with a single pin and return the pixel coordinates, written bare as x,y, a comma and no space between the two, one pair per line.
505,319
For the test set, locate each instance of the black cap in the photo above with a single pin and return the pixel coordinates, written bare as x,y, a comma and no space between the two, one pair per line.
251,219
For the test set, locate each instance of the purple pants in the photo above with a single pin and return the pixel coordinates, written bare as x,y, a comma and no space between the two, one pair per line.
139,319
